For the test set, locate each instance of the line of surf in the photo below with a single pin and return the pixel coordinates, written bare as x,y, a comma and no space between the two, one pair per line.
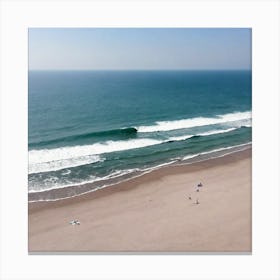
195,122
120,173
46,160
208,133
55,165
122,132
59,158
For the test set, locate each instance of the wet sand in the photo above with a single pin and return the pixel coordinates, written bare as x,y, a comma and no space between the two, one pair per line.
154,212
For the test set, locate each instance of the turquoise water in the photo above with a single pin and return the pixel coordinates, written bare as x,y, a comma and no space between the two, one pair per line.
91,126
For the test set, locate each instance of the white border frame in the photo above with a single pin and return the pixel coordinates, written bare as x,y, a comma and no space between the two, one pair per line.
262,16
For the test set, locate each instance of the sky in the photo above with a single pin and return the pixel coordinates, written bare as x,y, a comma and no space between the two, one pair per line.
139,48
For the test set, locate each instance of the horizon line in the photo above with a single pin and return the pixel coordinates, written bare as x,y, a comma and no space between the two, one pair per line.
227,69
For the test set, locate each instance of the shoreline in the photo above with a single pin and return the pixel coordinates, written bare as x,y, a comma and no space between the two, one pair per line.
68,192
145,177
152,213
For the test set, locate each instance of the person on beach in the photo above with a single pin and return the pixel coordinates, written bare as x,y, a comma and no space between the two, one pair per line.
197,202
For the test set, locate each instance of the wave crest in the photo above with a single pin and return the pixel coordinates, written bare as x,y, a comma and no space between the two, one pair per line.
195,122
122,132
66,157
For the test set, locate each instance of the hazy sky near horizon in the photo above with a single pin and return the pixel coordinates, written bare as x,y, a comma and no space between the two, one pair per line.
139,48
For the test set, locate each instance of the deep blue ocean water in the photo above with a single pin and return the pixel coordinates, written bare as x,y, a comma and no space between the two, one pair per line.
90,126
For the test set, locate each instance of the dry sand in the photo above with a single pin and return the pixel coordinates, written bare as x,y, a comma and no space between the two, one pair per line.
153,213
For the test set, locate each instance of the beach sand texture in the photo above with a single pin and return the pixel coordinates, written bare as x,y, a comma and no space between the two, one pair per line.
154,212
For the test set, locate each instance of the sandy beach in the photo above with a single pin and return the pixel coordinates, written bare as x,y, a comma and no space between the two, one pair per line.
156,212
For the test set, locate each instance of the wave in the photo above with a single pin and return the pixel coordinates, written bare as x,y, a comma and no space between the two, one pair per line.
120,173
217,150
130,132
127,132
54,165
61,158
211,132
92,179
195,122
68,152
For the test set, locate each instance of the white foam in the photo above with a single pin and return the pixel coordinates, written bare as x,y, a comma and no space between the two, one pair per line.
216,150
189,157
92,179
123,172
117,173
60,158
37,167
66,157
180,138
160,165
195,122
66,172
70,152
211,132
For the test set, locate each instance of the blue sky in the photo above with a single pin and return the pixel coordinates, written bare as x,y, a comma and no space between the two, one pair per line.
139,48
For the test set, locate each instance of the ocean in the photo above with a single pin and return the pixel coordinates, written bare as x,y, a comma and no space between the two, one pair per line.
103,127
